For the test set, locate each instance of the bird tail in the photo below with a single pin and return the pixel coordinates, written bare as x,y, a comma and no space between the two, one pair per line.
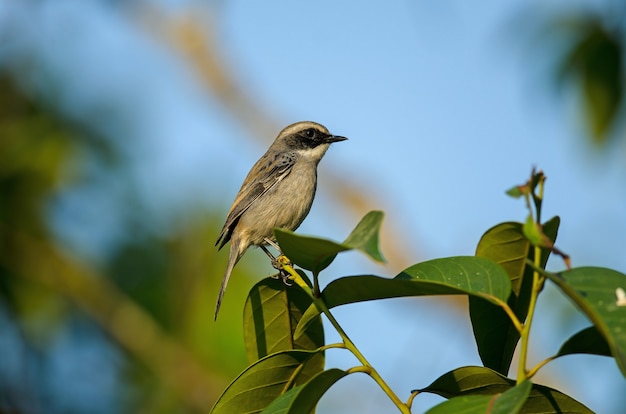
233,258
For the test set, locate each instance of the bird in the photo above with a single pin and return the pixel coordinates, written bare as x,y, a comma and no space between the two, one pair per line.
277,192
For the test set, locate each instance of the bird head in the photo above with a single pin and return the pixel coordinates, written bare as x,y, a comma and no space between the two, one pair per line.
309,139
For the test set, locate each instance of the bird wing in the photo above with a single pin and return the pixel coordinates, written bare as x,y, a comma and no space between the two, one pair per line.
263,176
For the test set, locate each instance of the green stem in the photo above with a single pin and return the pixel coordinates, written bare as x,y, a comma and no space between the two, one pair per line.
331,346
360,368
540,365
316,285
367,367
409,403
522,374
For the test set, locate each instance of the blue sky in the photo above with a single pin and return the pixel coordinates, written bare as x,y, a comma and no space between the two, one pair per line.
446,104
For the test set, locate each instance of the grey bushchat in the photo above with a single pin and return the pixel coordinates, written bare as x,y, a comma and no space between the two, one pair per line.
278,192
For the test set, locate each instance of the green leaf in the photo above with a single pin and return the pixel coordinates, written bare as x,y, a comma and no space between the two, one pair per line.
308,317
463,274
264,381
317,254
517,191
587,341
364,237
271,313
469,380
495,334
308,252
476,381
513,400
598,292
506,245
532,231
450,276
303,398
466,404
509,402
595,62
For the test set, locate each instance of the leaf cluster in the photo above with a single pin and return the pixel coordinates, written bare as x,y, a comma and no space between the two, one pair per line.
285,339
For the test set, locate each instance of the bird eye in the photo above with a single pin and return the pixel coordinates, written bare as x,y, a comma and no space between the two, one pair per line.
309,133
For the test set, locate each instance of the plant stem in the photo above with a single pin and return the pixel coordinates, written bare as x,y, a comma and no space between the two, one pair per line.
538,281
409,403
360,368
367,367
316,285
332,346
522,374
540,365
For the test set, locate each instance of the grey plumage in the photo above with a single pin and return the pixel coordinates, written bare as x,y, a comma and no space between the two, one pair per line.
278,192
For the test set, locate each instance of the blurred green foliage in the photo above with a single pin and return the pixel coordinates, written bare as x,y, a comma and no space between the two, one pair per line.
592,61
144,306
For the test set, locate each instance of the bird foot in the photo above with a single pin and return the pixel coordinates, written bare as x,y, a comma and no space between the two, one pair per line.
278,264
284,276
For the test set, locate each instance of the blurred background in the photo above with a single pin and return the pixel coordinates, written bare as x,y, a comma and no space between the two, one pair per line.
127,127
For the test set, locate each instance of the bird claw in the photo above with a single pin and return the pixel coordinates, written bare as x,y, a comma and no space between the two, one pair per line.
284,276
275,264
287,278
278,264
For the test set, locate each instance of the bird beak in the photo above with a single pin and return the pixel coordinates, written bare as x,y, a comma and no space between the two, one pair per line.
335,138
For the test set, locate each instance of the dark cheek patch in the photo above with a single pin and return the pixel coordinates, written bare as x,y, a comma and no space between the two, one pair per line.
293,141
